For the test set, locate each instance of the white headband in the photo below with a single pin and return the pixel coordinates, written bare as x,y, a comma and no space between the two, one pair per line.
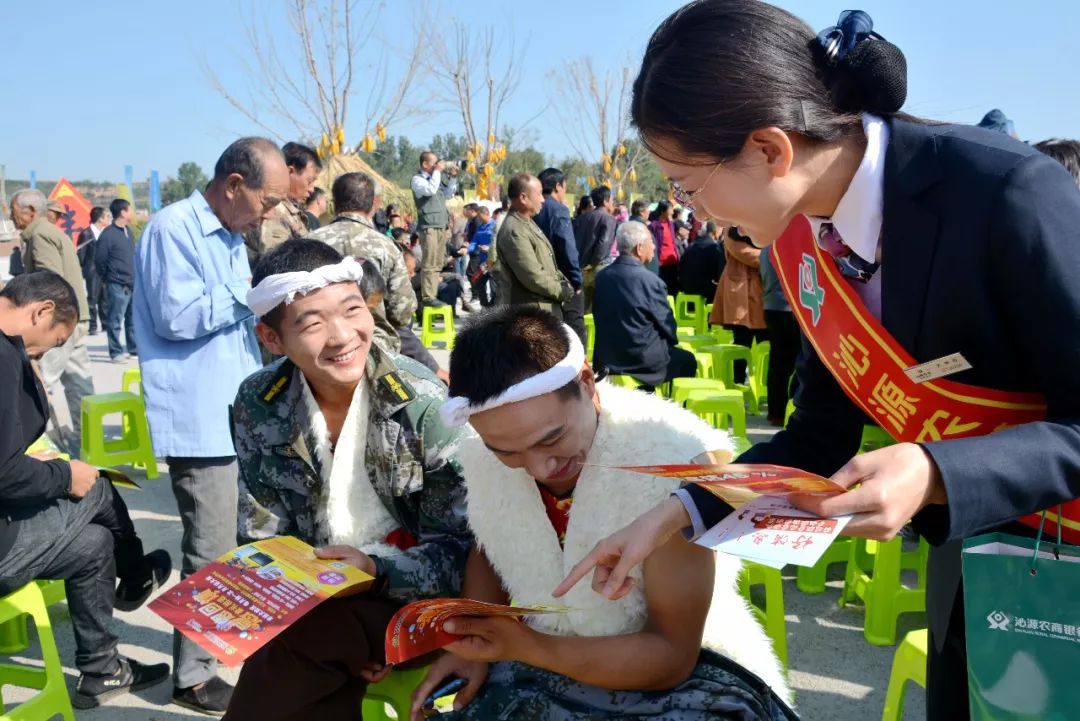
455,411
283,287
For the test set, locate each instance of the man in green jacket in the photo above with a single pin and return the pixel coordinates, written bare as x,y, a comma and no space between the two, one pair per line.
352,232
340,444
522,258
46,247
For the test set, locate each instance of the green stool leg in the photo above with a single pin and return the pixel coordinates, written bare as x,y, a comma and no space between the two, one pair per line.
771,617
811,579
52,697
909,664
13,636
395,691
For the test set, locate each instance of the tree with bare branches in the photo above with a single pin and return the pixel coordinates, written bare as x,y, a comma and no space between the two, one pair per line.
593,110
477,73
304,87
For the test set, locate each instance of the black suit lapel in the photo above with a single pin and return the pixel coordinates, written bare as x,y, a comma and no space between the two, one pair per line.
909,230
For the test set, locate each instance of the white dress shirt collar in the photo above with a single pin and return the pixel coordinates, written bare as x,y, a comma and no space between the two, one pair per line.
858,215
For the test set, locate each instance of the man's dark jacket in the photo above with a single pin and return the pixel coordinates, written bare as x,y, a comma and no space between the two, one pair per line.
554,222
114,257
594,234
635,328
700,267
25,482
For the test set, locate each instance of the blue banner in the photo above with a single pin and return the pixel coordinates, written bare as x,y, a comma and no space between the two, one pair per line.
155,191
129,178
33,178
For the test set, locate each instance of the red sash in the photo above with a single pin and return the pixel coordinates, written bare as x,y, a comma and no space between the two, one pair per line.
869,365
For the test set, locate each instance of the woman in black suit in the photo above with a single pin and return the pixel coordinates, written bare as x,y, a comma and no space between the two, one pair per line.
936,228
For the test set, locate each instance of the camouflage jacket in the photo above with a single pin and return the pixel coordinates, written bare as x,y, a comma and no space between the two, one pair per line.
355,234
289,221
410,464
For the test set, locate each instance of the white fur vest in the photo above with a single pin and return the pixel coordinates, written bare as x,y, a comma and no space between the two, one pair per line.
349,507
510,525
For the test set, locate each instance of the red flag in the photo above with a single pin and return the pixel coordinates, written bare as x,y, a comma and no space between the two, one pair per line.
76,217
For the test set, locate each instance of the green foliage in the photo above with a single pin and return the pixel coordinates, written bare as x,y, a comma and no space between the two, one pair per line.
189,178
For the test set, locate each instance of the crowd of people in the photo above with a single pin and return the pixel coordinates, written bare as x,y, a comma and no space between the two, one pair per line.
288,393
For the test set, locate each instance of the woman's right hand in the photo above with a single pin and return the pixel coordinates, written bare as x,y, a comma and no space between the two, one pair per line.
615,556
474,673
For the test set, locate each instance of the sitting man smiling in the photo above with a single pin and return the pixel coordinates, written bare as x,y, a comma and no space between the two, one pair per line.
542,488
340,442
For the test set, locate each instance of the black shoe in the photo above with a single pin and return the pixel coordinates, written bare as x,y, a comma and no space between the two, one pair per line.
132,593
92,691
212,698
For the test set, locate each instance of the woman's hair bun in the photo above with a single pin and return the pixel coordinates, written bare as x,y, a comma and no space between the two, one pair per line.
864,72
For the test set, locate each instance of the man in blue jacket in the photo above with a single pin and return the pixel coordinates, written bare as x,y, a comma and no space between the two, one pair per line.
635,328
554,222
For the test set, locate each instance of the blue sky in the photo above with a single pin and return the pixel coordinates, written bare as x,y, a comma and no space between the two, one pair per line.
92,86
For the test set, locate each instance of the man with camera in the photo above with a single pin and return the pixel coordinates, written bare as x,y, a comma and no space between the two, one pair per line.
432,220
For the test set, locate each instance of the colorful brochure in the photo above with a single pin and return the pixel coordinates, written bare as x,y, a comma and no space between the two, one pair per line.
737,483
417,628
771,531
233,606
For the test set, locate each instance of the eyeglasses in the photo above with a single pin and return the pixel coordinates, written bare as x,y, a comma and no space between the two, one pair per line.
686,197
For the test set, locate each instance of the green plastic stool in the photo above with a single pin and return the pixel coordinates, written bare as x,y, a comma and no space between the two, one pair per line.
705,367
758,374
690,311
873,438
742,445
724,357
681,387
722,335
590,335
132,377
721,405
873,574
430,334
811,579
909,664
134,446
394,691
52,697
771,617
13,636
696,341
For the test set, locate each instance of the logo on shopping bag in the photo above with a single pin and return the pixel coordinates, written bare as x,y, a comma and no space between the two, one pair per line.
998,621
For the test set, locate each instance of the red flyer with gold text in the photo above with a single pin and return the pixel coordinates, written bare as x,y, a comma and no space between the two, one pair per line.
417,628
233,606
737,483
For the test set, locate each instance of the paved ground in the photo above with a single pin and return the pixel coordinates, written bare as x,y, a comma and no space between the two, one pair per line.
836,674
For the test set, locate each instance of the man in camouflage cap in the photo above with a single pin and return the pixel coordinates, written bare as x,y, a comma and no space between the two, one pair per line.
289,219
352,232
340,444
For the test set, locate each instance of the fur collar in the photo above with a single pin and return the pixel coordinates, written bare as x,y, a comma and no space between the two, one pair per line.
349,510
509,523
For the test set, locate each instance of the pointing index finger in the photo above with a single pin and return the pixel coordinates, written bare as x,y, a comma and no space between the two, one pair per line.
578,572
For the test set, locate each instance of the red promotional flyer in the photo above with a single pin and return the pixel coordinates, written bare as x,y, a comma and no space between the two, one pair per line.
418,627
236,604
737,483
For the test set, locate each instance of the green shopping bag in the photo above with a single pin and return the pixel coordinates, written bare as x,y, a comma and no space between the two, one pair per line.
1022,615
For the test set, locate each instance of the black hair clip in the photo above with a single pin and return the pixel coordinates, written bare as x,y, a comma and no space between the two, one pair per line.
862,76
852,28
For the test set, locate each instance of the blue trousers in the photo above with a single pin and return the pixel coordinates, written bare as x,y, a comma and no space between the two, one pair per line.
119,310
